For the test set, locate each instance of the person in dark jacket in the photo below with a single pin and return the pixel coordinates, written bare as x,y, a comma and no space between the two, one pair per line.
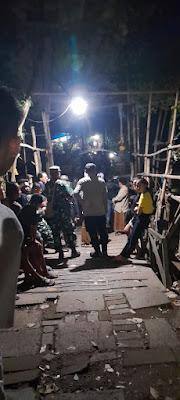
112,191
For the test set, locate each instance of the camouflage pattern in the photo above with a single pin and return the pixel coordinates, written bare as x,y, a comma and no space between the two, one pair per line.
45,231
61,220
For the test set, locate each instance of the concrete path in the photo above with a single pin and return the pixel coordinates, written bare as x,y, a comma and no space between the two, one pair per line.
98,322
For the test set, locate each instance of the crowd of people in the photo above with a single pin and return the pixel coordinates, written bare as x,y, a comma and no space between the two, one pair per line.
36,217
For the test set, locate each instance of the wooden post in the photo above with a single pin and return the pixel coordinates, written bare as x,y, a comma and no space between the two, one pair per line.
134,140
146,164
26,108
158,214
138,138
156,140
45,118
129,137
156,169
36,158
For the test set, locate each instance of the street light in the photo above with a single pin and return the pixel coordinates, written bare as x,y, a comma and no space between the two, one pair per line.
111,155
79,106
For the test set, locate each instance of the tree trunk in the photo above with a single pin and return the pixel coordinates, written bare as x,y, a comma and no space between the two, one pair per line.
45,118
36,156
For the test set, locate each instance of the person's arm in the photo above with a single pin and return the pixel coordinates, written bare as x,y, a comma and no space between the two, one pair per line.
33,230
105,198
121,194
77,192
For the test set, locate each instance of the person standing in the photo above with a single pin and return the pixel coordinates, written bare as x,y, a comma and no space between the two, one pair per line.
42,180
11,233
92,195
121,205
58,212
141,220
112,191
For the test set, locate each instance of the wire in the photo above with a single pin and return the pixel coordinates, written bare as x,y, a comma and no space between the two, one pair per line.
51,120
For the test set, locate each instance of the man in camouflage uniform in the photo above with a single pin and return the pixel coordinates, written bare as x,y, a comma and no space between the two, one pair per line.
58,196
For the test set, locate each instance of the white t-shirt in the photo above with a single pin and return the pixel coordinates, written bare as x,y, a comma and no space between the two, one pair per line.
11,237
92,195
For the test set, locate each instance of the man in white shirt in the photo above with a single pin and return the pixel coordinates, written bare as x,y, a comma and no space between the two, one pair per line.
92,195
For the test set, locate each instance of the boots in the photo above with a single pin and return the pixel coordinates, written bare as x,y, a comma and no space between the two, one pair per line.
74,252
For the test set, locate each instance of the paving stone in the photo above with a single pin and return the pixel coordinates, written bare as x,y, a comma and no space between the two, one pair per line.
92,316
80,317
23,376
23,317
21,394
23,342
74,363
104,315
133,343
118,306
109,355
146,297
123,321
78,339
53,322
47,339
161,333
11,364
112,302
104,395
122,315
120,311
148,357
80,301
128,335
114,297
126,328
48,329
31,298
48,314
70,319
49,357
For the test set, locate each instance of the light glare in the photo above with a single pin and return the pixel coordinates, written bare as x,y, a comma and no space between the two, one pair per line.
79,106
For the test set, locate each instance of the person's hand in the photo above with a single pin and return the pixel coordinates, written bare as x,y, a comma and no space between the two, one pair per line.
76,219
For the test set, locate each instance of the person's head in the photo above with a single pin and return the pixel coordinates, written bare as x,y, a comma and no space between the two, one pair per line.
142,185
55,172
90,169
134,183
36,189
10,118
12,191
121,182
24,186
36,201
100,175
42,177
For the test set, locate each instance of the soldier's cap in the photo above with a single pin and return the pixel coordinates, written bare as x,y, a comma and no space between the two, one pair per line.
55,168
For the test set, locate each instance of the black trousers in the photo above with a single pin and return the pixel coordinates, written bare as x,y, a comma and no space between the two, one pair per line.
95,226
141,223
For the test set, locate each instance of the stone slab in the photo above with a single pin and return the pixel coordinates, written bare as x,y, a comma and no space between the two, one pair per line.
47,339
104,315
148,357
113,302
161,334
98,357
127,328
128,335
23,317
26,299
23,342
48,329
23,376
24,363
130,344
123,321
80,301
70,319
52,322
104,395
21,394
74,364
92,316
146,297
80,338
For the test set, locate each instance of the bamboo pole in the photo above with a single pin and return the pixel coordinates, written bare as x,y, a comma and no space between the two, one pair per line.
129,137
146,165
26,108
138,138
167,176
45,118
156,140
31,147
175,146
168,157
36,158
134,140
